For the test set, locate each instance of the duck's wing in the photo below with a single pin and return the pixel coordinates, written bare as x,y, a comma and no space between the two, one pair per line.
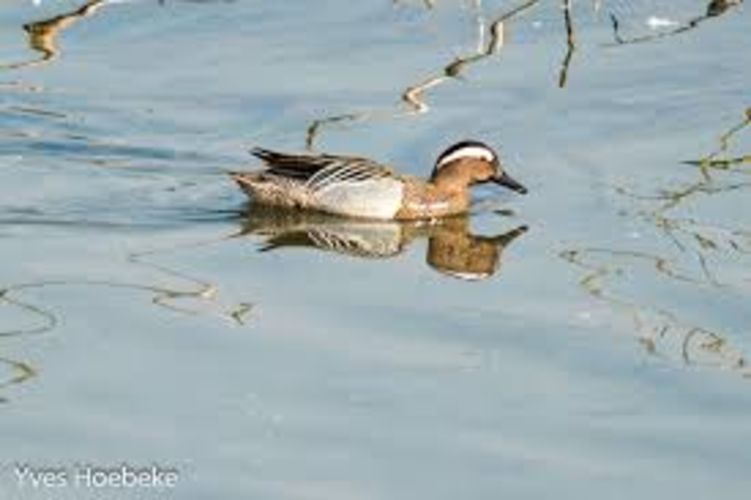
319,171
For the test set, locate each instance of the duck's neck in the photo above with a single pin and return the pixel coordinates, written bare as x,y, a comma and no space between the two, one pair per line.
452,178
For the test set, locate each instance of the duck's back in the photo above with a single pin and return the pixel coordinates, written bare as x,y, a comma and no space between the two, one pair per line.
343,185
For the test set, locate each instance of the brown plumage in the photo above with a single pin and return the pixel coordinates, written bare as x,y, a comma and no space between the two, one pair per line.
358,187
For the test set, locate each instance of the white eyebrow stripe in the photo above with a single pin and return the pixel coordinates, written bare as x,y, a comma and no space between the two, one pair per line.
467,152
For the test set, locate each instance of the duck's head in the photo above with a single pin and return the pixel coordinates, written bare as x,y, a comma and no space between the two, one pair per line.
476,163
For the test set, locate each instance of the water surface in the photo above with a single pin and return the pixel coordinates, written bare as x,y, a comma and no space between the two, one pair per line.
598,350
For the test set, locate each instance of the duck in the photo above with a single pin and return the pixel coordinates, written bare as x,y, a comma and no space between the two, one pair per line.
358,187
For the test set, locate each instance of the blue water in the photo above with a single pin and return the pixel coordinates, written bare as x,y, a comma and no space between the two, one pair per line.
146,319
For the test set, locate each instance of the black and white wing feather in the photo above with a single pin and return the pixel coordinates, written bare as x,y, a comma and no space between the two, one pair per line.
319,172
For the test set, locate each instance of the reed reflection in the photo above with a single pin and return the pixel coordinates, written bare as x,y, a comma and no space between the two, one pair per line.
714,9
714,178
487,46
719,159
185,294
428,4
42,36
568,21
18,373
489,40
662,331
194,297
452,250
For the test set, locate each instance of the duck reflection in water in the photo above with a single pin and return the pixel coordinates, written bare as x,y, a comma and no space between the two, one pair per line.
452,249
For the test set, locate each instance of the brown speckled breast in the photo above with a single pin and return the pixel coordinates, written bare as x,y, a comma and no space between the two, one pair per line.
423,200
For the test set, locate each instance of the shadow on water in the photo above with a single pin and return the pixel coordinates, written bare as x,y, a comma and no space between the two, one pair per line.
655,326
452,248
